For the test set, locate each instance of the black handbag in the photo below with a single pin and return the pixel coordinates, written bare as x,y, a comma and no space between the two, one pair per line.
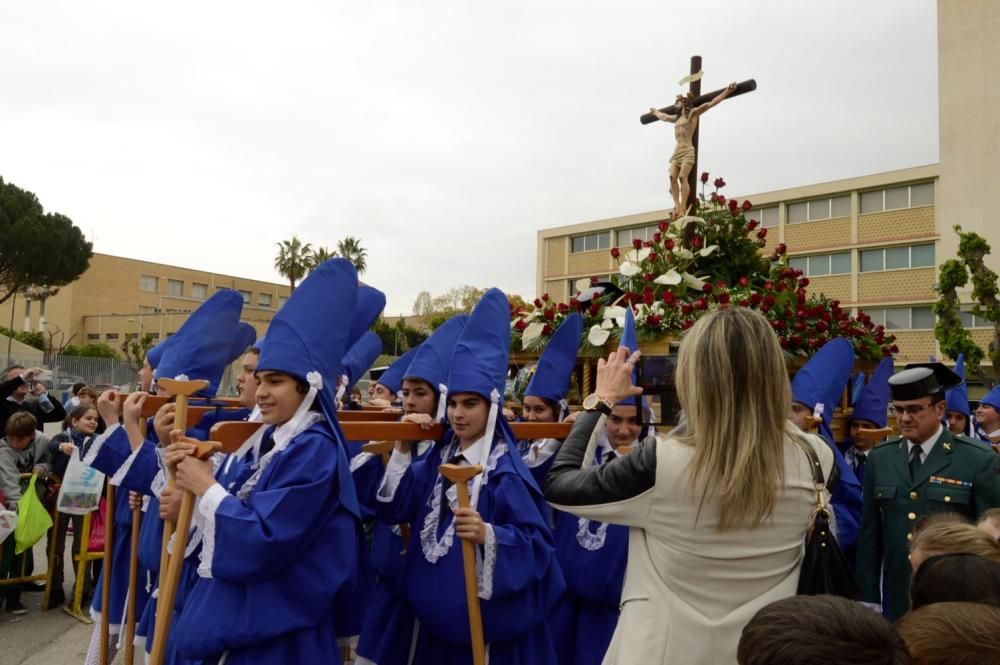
825,569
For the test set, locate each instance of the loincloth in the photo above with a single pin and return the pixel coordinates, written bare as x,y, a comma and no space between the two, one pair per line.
683,156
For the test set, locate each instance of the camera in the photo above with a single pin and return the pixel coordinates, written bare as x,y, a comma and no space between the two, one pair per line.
655,375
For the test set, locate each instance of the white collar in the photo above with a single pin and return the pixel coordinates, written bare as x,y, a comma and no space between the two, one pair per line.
996,433
928,445
474,453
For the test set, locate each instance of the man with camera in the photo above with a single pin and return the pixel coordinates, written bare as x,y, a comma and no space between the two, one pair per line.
22,390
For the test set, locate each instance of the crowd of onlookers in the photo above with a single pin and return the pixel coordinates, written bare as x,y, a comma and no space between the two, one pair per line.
25,450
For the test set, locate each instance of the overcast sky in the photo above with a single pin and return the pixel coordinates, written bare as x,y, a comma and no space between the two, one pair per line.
442,134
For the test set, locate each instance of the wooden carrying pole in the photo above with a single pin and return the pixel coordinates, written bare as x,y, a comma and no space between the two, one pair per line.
460,475
109,535
182,390
875,435
175,561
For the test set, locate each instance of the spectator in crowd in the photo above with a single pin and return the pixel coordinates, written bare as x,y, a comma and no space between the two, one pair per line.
989,522
951,634
17,383
819,630
951,536
956,578
87,396
22,450
74,401
75,439
719,508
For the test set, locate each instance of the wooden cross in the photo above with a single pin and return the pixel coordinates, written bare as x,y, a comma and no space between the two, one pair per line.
694,88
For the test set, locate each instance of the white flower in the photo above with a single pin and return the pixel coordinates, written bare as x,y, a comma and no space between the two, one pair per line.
582,285
629,269
670,278
708,250
693,282
638,255
683,253
598,336
607,324
531,333
616,313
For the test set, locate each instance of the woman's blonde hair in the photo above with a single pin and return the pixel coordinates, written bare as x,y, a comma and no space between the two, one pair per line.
733,387
953,633
945,536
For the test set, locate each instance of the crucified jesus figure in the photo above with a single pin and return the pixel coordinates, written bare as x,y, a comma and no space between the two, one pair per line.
683,160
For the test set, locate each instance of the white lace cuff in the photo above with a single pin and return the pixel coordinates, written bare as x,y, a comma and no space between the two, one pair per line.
123,470
208,504
486,564
98,443
399,462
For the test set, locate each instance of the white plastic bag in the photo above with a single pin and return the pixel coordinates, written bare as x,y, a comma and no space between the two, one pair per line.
81,489
8,522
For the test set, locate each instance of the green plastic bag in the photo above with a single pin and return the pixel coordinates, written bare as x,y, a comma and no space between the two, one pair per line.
32,519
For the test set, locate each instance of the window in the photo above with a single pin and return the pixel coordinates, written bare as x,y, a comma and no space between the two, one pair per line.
767,217
827,208
895,198
149,283
643,233
175,287
822,264
93,337
111,337
247,296
970,320
130,336
281,301
264,299
147,309
592,242
199,291
895,258
903,318
154,336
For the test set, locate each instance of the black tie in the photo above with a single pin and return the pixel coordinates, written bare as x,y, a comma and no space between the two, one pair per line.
914,462
859,462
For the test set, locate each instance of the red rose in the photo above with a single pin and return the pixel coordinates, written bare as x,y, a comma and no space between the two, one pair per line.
752,224
654,321
821,326
769,300
801,297
755,298
662,226
637,243
704,177
538,302
648,243
573,302
701,303
762,233
593,280
794,340
687,323
768,285
722,200
724,298
657,237
521,324
714,198
669,298
686,309
668,244
778,325
707,288
747,205
652,256
799,326
647,296
894,348
615,252
781,248
804,282
696,242
744,303
649,277
595,307
547,330
563,308
545,297
743,281
719,183
734,205
783,342
549,314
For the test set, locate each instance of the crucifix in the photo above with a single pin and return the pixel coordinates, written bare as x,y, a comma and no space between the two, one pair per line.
684,115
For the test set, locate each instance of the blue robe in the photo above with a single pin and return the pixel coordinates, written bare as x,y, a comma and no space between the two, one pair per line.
846,498
585,619
113,453
280,560
526,579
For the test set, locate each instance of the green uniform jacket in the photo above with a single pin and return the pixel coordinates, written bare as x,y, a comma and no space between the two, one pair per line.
960,475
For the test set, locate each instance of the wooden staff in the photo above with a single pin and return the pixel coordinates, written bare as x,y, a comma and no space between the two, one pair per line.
175,560
182,390
460,475
109,535
874,435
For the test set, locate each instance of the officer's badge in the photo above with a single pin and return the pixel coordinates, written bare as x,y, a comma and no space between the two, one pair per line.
947,445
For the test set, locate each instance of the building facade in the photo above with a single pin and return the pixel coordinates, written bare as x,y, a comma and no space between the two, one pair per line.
118,299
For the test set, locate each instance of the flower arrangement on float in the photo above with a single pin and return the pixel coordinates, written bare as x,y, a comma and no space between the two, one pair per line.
696,264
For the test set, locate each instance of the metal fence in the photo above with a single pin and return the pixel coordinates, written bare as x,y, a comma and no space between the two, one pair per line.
104,373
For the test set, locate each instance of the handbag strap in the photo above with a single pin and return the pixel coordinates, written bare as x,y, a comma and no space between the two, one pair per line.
819,483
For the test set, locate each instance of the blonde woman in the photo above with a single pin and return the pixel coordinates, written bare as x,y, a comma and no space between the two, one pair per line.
951,536
718,509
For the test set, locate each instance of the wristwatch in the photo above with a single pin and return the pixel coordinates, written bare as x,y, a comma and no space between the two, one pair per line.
594,402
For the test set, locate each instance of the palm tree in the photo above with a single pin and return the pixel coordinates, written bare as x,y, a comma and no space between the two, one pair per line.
320,255
293,259
350,248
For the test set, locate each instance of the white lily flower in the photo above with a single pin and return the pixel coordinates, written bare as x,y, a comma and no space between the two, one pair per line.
598,336
531,333
638,255
708,250
629,269
669,278
694,282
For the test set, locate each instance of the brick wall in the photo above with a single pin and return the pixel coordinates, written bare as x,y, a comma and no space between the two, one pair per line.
915,346
833,286
824,234
896,225
896,285
597,262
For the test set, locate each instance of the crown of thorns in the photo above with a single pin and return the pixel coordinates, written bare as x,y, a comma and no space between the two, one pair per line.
689,97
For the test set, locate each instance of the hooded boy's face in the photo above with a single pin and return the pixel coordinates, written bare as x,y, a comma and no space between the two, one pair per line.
623,425
20,442
278,397
799,415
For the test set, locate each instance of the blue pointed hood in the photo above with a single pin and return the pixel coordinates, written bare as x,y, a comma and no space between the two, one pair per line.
202,347
432,362
957,398
823,378
392,378
857,387
360,357
555,367
155,354
306,340
244,338
370,304
874,402
479,364
631,342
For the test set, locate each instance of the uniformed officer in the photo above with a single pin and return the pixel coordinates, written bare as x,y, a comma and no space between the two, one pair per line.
927,470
